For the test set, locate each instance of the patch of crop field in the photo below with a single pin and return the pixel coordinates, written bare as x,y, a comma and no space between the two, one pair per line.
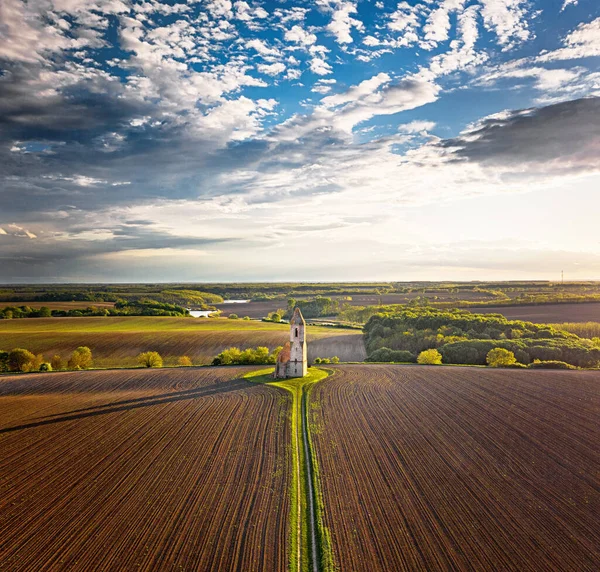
181,469
116,341
545,313
454,468
59,305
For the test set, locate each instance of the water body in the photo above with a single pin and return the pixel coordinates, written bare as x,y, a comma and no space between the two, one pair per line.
235,301
201,313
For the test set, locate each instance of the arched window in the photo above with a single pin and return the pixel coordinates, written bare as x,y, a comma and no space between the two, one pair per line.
296,332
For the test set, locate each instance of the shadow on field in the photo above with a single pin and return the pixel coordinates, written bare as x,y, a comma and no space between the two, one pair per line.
129,404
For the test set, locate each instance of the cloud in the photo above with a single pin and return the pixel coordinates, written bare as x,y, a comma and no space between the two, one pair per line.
298,35
438,24
583,42
508,19
567,3
559,139
271,69
342,22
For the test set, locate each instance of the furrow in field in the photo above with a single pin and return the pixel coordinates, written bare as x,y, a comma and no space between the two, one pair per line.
460,468
195,479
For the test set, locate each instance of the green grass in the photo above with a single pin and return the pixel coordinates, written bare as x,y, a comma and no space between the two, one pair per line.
298,490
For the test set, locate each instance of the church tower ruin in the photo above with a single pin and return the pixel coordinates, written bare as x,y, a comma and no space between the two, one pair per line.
293,360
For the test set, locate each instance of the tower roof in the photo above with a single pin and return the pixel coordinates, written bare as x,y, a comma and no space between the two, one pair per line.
297,318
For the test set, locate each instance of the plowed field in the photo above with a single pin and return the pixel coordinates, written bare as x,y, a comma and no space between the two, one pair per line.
447,468
545,313
115,342
143,470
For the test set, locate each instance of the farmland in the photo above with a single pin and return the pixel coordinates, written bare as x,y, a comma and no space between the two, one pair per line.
59,305
546,313
145,470
116,341
459,468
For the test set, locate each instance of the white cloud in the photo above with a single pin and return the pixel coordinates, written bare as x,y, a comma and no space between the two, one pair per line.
569,3
220,8
406,19
298,35
438,24
320,67
508,19
583,42
271,69
262,48
417,127
342,22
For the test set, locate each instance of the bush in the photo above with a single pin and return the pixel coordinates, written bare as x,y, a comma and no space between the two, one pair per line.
499,357
551,364
233,316
46,366
430,357
57,362
386,355
517,365
150,359
184,361
250,356
4,361
335,359
81,358
20,359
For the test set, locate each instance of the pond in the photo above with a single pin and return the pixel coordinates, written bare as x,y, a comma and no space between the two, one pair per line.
201,313
235,301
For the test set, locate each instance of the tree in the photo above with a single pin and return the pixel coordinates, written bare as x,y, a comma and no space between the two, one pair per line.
4,361
274,317
430,357
81,358
150,359
335,359
45,366
57,362
20,359
499,357
184,361
45,312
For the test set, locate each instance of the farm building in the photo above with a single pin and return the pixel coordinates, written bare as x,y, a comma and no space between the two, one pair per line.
292,360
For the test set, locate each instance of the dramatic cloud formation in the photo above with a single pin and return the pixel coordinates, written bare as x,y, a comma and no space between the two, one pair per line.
199,140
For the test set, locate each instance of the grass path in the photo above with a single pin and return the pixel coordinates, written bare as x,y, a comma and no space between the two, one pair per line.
306,541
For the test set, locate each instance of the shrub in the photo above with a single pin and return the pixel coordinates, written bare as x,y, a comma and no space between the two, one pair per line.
318,360
386,354
429,357
335,359
81,358
57,362
246,318
20,359
46,366
517,365
551,364
233,316
184,361
499,357
4,361
250,356
274,317
150,359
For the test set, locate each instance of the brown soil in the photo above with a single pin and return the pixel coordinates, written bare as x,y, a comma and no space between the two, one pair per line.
546,313
143,470
450,468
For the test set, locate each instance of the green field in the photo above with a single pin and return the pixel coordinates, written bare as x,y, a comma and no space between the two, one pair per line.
116,341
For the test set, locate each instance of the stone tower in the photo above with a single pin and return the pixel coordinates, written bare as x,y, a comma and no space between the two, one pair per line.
298,364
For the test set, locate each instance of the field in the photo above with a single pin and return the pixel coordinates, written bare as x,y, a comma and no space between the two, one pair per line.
181,469
59,305
545,313
116,341
451,468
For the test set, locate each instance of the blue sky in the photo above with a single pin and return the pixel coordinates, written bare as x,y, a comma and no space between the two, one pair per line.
287,140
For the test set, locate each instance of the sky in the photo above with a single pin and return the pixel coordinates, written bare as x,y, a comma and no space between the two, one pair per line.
330,140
